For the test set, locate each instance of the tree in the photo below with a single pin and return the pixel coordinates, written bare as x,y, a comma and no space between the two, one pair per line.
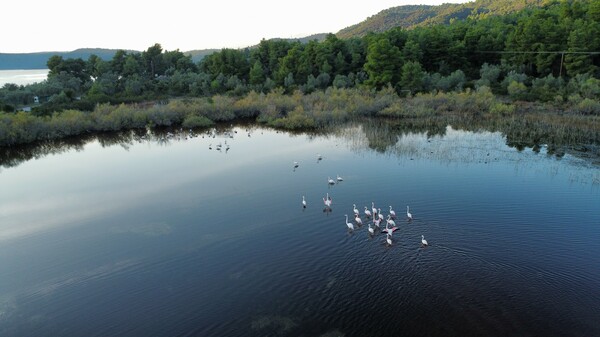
97,66
383,63
257,74
412,51
584,37
488,75
412,77
153,61
288,82
118,61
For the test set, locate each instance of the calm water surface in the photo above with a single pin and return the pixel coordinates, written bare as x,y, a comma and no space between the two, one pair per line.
23,76
164,236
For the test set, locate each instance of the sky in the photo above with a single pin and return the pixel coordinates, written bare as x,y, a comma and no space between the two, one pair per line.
65,25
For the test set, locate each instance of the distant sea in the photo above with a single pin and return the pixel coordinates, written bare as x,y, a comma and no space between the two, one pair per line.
22,76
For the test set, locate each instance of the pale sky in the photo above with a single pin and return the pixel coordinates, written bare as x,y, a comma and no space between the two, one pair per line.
65,25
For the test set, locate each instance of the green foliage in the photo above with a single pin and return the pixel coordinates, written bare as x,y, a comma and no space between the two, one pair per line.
488,75
519,55
545,89
588,107
296,119
412,77
196,122
383,63
517,90
257,75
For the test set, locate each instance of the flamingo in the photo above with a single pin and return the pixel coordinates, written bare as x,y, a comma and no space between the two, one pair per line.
358,220
392,212
376,222
349,224
339,178
367,212
408,214
423,241
327,200
330,181
390,221
355,210
371,230
379,214
389,230
388,239
373,208
303,202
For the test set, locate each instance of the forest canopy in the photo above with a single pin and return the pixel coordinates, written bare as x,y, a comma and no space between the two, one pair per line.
533,54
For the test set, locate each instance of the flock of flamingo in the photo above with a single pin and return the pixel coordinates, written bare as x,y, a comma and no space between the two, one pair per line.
375,214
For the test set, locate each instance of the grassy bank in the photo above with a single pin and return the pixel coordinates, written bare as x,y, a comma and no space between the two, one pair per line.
319,110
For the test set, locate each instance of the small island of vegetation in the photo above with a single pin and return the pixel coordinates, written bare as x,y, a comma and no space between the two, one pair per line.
535,69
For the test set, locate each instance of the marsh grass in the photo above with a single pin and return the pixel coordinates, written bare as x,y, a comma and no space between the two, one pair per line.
525,123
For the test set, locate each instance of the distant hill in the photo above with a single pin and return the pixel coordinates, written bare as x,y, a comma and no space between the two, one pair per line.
422,15
10,61
38,60
318,37
199,54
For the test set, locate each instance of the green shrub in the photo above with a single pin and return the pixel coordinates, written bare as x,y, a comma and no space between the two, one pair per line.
588,107
196,122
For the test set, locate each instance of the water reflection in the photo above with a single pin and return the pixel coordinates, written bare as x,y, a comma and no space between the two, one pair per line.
380,135
144,223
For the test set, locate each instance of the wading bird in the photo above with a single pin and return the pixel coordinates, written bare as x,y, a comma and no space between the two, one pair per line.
327,201
367,212
349,224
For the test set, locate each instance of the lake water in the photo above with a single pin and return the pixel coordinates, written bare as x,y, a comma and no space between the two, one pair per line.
163,236
22,76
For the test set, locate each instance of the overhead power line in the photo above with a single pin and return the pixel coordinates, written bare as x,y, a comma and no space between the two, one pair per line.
561,52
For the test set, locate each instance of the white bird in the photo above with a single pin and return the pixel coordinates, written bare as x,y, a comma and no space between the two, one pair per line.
327,200
389,230
373,208
392,212
377,222
379,214
349,224
339,178
358,220
303,202
408,214
423,241
355,210
367,212
390,221
371,230
388,239
330,181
